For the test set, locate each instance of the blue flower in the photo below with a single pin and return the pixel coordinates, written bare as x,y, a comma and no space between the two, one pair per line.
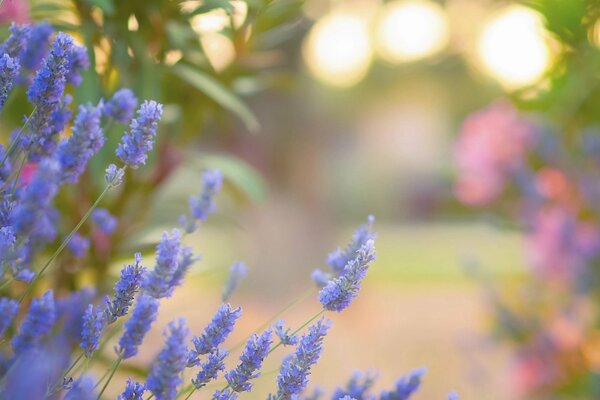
121,106
114,175
78,61
125,290
37,46
94,322
9,69
257,348
104,220
293,376
210,369
339,292
136,327
38,322
165,375
226,394
78,245
139,139
35,199
15,44
82,389
204,205
215,332
358,386
338,259
71,310
8,310
45,93
133,391
453,395
284,334
406,386
237,272
320,277
87,139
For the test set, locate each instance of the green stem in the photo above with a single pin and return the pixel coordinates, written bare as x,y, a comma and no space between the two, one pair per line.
288,307
73,365
6,283
64,243
112,371
317,315
15,141
16,178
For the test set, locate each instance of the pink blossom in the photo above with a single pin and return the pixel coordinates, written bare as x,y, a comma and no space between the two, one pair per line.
14,11
492,143
559,244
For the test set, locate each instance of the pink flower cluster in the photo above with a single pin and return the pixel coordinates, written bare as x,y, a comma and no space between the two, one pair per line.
491,145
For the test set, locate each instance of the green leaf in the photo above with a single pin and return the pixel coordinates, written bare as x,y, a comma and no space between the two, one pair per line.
105,5
209,5
218,92
242,177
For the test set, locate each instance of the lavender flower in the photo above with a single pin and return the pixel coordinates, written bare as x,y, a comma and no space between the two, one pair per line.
215,332
45,94
338,259
257,348
320,277
78,61
71,310
405,386
39,320
211,368
82,389
133,391
104,220
204,205
157,282
14,45
237,272
165,376
125,290
357,387
7,248
5,171
293,376
114,175
339,292
226,394
284,334
9,69
78,245
121,106
140,137
87,139
136,327
35,199
94,322
453,395
8,310
37,46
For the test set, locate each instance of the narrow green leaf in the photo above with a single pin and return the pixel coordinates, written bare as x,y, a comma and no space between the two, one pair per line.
105,5
219,93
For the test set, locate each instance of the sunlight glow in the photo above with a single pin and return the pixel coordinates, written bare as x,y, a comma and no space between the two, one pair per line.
513,47
338,48
410,30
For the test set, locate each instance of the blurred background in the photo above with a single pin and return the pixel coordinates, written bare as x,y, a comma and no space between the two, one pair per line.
319,113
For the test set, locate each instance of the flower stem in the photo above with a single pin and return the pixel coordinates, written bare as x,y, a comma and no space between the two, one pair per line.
112,371
64,244
12,145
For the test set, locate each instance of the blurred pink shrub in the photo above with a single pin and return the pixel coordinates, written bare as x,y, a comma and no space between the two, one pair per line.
14,11
492,143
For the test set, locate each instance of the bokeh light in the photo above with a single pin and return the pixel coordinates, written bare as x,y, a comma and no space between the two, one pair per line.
513,47
218,49
338,49
410,30
218,19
